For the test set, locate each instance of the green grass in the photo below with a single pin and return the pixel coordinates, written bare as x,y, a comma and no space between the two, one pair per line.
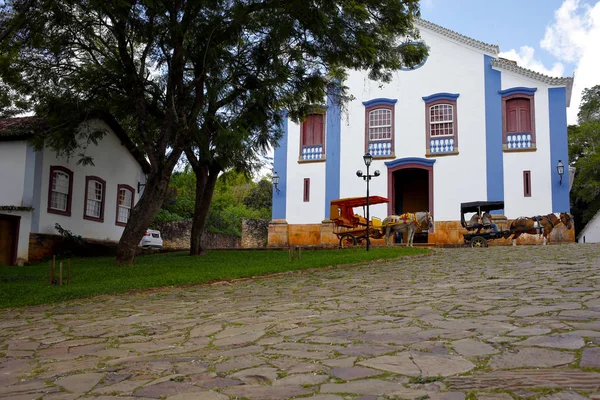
28,285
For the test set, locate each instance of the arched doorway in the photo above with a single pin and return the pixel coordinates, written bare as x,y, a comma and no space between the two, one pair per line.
410,188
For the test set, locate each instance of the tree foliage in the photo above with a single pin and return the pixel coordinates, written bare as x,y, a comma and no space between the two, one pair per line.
207,78
584,153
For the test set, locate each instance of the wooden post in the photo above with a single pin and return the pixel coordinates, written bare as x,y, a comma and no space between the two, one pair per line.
52,265
60,273
299,253
291,253
69,271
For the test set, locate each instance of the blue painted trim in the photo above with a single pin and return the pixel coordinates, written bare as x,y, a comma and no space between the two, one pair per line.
377,102
409,160
278,210
559,148
418,65
441,96
333,127
494,157
517,90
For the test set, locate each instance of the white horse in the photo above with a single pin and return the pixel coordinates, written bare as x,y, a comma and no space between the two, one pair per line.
407,222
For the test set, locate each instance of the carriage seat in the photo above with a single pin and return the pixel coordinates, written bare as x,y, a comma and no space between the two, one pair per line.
359,220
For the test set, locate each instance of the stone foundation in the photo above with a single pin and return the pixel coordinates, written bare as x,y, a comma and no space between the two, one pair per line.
444,234
44,246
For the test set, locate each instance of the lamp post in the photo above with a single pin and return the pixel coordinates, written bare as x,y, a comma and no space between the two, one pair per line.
560,168
368,158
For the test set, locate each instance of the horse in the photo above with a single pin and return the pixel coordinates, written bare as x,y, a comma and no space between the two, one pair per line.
407,222
541,225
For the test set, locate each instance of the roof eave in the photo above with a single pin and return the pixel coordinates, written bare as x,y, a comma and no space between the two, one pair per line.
566,82
486,48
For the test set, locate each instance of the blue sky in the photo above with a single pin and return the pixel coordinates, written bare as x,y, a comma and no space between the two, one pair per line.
554,37
496,22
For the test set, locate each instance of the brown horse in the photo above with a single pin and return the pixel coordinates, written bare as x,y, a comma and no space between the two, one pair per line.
542,225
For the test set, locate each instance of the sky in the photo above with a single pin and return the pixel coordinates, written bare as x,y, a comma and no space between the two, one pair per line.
553,37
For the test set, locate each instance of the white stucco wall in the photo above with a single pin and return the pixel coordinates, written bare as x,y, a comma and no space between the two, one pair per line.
591,232
452,68
538,162
12,172
299,211
114,164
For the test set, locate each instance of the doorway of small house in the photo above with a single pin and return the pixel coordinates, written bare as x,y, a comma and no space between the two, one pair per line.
411,194
8,239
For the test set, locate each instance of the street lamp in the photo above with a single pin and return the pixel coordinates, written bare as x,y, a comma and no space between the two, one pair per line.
275,181
560,168
368,158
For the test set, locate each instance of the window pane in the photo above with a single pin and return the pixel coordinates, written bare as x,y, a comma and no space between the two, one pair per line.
58,201
60,182
380,124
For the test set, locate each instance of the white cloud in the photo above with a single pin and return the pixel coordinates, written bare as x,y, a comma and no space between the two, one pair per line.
574,36
526,58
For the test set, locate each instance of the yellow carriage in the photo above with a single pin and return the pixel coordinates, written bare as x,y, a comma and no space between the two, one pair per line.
350,227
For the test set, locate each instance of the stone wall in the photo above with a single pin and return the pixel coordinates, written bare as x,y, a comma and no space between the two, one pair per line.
255,233
176,236
445,234
44,246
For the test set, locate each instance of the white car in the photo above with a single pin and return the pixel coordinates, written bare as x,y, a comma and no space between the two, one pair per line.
151,240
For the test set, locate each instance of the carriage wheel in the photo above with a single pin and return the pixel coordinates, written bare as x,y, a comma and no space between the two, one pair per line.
478,241
347,240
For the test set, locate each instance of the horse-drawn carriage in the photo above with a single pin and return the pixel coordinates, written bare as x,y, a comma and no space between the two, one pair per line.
479,233
350,227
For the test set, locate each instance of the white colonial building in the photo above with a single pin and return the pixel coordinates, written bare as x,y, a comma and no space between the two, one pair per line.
39,190
463,126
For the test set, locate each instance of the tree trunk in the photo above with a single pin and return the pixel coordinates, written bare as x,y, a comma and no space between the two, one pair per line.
206,178
142,215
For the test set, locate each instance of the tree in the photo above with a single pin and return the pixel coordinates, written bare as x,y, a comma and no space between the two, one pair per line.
207,78
584,153
260,196
288,58
13,16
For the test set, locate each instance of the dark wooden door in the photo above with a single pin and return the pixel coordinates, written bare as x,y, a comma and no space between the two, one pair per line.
7,241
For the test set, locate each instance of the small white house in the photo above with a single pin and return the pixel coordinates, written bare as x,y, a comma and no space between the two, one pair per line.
591,231
39,190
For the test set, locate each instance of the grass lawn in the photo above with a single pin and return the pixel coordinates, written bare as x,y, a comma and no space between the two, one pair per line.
28,285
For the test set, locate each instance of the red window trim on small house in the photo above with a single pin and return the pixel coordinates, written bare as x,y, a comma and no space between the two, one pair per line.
132,190
88,179
69,173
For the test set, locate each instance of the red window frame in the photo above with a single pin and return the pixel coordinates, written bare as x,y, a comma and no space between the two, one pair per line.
428,124
306,190
89,179
58,168
132,190
374,107
527,183
505,131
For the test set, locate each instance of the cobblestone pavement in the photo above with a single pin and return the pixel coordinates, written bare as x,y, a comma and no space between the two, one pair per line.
496,323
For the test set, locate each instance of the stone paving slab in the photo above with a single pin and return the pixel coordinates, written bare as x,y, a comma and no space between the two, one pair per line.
495,323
